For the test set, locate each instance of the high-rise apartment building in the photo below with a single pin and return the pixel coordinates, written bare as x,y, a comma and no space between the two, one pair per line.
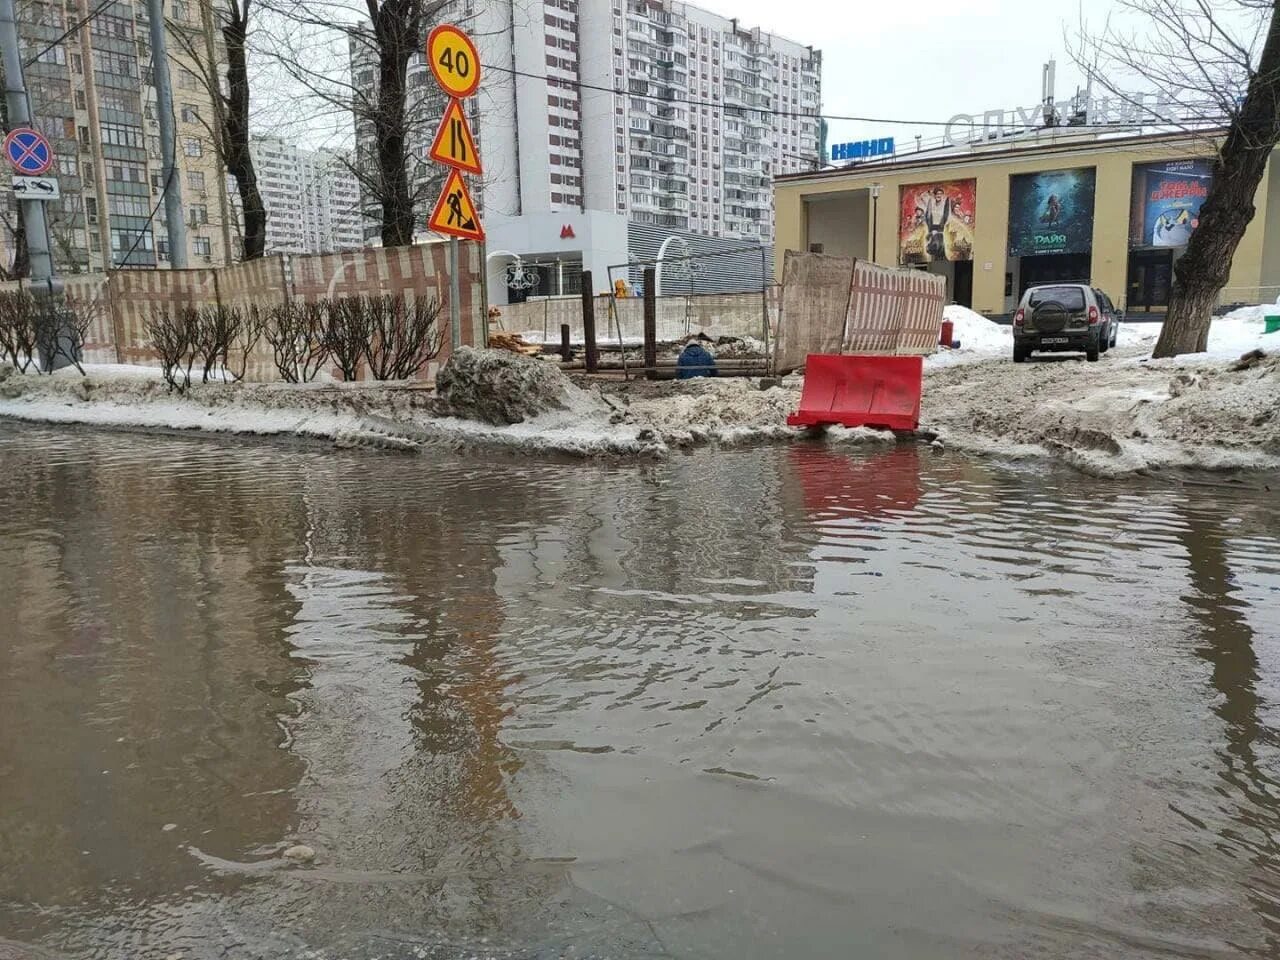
608,128
92,95
311,196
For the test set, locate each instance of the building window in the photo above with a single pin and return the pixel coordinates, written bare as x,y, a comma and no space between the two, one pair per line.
189,113
68,166
187,80
121,135
192,147
195,180
80,101
128,207
202,246
181,10
55,54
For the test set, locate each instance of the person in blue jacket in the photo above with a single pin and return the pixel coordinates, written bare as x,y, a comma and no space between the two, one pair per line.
695,361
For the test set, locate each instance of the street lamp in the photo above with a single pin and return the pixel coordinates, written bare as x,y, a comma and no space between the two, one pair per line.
875,218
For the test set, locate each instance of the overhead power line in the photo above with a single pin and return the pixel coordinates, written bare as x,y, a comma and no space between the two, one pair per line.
795,114
558,81
93,14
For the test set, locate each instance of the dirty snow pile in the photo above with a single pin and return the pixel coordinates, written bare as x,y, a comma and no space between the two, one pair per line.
1114,418
709,409
486,398
1230,335
500,387
979,338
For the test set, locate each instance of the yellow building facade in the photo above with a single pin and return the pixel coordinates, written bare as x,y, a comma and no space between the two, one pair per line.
996,218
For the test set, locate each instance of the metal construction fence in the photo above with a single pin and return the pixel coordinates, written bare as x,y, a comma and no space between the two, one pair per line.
712,314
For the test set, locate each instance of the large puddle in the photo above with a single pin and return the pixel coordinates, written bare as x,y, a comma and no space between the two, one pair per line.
792,702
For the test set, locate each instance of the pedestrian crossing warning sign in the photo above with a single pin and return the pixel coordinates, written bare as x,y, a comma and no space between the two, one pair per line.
454,146
455,214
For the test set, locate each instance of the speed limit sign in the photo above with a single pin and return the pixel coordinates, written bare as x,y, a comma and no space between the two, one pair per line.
454,61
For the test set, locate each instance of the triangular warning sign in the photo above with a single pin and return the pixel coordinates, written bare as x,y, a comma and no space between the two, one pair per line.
454,146
455,214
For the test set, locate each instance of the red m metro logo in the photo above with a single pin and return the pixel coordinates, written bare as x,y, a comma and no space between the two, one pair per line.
566,233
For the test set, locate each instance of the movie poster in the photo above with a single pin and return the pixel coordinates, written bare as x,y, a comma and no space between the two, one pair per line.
1166,202
936,221
1051,212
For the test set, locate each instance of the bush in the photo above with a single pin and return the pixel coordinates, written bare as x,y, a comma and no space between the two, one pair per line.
403,336
174,334
298,334
347,334
43,329
18,326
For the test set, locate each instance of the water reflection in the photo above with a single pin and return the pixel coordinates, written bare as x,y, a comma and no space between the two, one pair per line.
837,483
738,704
1226,641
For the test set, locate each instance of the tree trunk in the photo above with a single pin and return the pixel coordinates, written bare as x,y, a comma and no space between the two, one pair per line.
21,267
236,136
1202,272
396,26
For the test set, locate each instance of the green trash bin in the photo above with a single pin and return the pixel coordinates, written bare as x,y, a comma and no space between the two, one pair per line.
1272,325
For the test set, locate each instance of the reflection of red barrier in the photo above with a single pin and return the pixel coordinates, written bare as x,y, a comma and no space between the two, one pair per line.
871,486
858,391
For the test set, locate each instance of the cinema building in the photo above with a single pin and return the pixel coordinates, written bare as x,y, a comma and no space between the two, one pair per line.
994,218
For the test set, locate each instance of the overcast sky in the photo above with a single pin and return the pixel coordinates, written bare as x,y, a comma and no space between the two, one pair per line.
927,59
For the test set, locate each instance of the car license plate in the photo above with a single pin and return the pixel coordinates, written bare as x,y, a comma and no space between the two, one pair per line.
1055,339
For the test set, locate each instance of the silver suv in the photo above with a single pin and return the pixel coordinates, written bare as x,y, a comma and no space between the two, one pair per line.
1064,316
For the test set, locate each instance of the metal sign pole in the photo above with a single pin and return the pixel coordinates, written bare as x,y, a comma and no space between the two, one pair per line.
20,116
455,294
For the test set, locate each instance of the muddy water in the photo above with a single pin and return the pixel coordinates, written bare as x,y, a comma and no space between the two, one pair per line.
770,702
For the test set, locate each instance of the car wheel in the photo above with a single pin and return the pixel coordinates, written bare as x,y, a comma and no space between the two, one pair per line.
1092,353
1020,355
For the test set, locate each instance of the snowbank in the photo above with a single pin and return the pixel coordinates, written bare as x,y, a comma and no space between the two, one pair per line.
1230,335
1111,417
980,339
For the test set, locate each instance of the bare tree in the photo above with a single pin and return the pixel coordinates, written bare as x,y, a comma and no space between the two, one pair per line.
229,127
358,67
1217,63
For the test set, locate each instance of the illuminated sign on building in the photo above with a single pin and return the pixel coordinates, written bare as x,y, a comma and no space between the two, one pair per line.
862,149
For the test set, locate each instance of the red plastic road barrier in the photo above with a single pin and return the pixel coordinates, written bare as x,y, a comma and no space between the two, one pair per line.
857,391
948,333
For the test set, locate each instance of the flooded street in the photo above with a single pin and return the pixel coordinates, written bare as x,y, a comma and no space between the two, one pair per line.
778,701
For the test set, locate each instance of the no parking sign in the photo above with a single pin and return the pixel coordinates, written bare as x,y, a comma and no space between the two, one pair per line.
28,151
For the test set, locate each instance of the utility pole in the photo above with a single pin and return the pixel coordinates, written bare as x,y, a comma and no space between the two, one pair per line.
19,104
168,136
46,287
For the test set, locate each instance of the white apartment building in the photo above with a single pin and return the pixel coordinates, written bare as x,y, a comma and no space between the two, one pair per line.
656,120
312,198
